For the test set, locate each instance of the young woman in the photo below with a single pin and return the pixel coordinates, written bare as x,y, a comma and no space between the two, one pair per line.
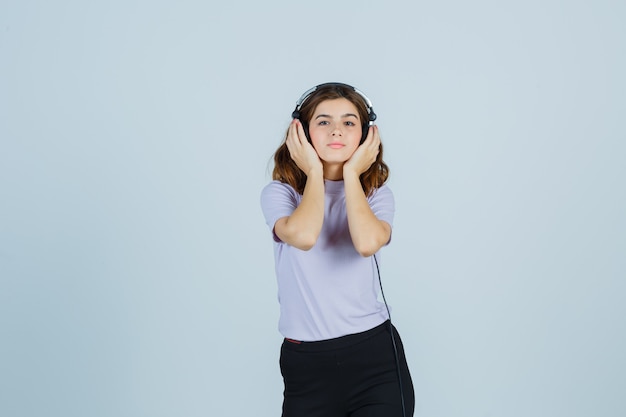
330,212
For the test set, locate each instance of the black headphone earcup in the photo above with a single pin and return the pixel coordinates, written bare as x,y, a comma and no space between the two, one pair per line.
366,128
305,127
296,115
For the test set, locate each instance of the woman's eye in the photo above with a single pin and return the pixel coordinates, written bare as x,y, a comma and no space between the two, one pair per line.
322,123
349,123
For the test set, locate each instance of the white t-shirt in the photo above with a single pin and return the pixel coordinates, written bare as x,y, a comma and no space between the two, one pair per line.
330,290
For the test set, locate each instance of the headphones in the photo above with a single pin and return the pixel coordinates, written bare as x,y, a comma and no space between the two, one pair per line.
370,109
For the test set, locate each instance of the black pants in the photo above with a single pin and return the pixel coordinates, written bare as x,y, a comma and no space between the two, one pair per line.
354,375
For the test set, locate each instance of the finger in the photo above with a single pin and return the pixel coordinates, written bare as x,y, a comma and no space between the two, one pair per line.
293,134
375,137
372,139
368,138
292,140
290,147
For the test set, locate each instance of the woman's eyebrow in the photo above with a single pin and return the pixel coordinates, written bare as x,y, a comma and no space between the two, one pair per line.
344,115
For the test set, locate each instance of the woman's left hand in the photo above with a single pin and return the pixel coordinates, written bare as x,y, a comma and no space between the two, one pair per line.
365,154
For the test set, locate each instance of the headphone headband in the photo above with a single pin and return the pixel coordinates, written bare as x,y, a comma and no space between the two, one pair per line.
302,99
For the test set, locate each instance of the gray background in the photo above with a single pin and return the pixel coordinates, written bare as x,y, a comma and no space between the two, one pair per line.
136,271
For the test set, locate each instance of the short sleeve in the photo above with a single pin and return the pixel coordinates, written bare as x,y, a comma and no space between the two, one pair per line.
383,205
278,200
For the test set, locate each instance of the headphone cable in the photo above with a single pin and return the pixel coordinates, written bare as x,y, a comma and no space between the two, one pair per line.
393,339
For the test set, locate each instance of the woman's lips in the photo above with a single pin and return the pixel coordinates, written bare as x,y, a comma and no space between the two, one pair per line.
336,145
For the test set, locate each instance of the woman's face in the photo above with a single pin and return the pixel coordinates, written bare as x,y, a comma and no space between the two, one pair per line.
335,130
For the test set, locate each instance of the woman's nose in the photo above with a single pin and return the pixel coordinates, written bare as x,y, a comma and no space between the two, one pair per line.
336,131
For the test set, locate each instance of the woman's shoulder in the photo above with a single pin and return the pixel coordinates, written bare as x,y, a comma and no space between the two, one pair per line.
279,196
381,192
276,187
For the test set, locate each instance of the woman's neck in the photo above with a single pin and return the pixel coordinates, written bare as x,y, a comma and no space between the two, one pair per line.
333,172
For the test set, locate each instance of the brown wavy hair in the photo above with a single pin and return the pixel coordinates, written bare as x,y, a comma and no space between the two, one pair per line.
286,170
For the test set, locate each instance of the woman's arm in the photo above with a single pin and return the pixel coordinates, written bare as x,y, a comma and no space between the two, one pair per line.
302,228
368,233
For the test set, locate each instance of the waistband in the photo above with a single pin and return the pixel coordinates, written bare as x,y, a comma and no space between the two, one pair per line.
336,343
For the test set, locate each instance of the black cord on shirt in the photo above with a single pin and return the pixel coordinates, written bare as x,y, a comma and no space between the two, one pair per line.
393,339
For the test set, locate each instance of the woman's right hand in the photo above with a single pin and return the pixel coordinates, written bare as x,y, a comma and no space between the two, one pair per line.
300,150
